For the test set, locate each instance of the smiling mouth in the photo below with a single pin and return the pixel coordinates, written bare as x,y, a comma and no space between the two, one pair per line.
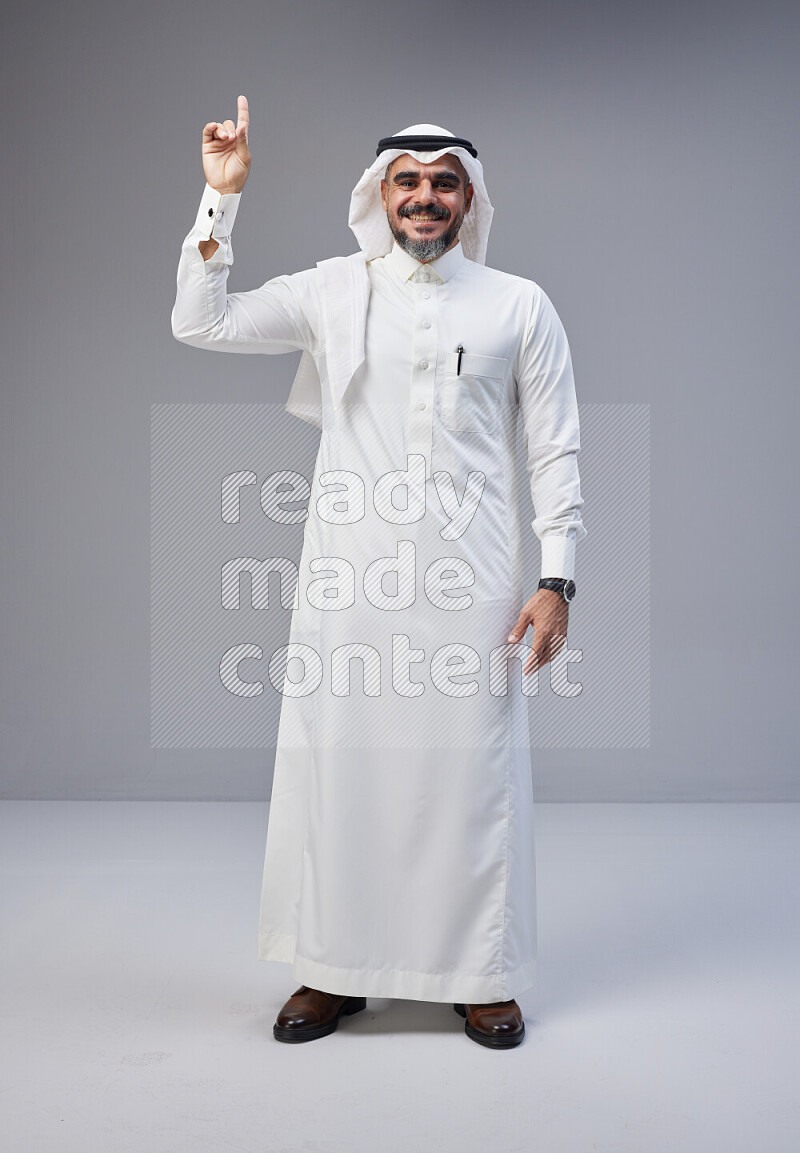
424,219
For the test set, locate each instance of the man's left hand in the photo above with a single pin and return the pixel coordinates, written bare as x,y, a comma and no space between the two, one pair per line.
548,612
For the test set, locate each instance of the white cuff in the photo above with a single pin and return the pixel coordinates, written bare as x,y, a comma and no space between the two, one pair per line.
217,212
558,557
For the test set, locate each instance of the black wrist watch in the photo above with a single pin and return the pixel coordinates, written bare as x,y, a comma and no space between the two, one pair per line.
559,585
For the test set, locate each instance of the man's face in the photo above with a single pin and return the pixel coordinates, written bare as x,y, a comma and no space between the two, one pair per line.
425,204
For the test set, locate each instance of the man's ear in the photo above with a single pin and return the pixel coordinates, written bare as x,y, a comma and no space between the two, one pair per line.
383,195
468,194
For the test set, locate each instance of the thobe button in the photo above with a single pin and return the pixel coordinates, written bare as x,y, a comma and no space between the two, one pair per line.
425,277
422,406
423,364
426,324
426,296
219,216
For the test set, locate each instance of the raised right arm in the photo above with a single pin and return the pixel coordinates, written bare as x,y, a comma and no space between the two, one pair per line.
277,317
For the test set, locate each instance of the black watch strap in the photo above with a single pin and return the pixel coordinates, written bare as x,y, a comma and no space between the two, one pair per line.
561,585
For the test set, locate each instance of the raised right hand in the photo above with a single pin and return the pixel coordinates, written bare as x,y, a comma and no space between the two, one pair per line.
226,154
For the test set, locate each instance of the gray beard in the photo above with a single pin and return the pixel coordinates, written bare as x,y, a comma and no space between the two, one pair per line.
427,249
424,250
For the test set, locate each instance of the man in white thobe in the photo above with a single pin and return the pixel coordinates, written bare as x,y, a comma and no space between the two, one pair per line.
399,858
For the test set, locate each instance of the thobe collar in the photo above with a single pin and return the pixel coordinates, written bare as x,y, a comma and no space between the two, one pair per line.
405,267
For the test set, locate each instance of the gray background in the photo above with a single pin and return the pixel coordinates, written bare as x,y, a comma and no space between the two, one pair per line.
643,165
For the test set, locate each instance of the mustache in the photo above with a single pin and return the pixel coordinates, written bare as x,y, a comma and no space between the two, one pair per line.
433,212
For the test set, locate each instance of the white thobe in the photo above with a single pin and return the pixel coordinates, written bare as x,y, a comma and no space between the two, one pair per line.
400,858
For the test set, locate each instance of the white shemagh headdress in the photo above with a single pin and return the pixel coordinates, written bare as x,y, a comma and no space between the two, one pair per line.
344,281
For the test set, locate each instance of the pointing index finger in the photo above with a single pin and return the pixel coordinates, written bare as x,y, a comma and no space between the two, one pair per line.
244,112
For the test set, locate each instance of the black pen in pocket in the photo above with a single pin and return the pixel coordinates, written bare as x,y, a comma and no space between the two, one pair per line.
460,351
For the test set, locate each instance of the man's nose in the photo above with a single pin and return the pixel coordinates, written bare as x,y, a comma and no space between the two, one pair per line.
425,191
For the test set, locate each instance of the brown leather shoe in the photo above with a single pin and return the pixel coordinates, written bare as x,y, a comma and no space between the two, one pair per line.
310,1013
499,1025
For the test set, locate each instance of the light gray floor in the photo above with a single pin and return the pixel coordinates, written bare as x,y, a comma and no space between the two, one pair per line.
136,1015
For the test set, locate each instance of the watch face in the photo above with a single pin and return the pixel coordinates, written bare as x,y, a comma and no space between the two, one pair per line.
569,590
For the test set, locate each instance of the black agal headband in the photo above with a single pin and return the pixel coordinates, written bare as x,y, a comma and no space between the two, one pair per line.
424,144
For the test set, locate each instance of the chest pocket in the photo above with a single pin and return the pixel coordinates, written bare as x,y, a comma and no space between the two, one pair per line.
471,398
